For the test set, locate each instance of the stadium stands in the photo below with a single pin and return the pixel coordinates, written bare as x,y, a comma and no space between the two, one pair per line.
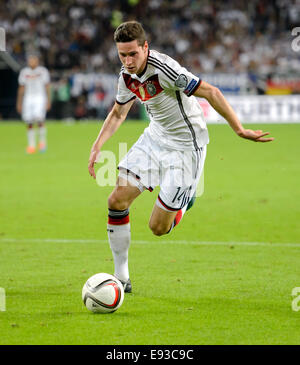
235,36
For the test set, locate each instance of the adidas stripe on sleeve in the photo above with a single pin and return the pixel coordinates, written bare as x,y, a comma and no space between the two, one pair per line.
174,76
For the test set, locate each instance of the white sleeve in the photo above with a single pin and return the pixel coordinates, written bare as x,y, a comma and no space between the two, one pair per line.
124,95
176,77
21,79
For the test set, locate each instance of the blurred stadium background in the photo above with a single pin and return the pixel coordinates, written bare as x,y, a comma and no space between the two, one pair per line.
243,47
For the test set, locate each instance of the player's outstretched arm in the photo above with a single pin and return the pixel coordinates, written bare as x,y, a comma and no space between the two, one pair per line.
217,100
20,96
111,124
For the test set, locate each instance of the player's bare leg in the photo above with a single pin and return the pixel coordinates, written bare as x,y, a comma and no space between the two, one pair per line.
118,227
123,195
162,221
42,136
31,138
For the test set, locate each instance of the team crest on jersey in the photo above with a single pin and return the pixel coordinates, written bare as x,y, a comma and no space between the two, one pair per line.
181,81
143,90
151,88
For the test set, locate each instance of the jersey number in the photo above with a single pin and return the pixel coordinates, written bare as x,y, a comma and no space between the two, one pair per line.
182,195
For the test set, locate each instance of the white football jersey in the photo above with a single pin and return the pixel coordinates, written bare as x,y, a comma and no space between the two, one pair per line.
166,89
34,81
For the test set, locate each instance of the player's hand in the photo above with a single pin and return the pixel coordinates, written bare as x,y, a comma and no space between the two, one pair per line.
92,160
256,136
48,106
19,108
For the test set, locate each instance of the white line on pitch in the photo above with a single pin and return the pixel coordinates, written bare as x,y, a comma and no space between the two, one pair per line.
146,242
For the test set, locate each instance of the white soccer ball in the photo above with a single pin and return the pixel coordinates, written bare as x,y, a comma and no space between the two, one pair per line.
103,293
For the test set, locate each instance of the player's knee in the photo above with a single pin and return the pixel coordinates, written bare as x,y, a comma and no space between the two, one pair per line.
158,229
116,203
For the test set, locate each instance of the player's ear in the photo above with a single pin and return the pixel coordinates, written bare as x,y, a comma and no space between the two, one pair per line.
146,46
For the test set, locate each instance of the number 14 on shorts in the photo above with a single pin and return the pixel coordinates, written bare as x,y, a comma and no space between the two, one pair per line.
182,195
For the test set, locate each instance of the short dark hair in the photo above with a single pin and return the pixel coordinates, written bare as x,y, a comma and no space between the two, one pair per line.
130,31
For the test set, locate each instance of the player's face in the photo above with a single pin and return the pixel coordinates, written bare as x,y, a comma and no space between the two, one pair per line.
33,61
133,56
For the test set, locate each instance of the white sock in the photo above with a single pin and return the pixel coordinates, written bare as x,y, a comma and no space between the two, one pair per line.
42,134
31,137
119,240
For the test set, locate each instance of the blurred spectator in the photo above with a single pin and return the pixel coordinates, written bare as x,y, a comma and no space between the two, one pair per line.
96,100
226,36
61,99
80,111
220,36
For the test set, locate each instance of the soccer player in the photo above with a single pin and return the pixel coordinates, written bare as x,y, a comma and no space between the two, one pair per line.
34,100
172,149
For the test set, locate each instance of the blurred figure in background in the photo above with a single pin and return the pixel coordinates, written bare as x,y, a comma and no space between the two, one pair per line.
81,111
33,101
96,99
61,99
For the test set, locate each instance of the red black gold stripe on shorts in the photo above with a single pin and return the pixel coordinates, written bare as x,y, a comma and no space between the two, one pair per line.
166,206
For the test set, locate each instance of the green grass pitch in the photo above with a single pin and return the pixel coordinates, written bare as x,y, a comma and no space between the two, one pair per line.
224,276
